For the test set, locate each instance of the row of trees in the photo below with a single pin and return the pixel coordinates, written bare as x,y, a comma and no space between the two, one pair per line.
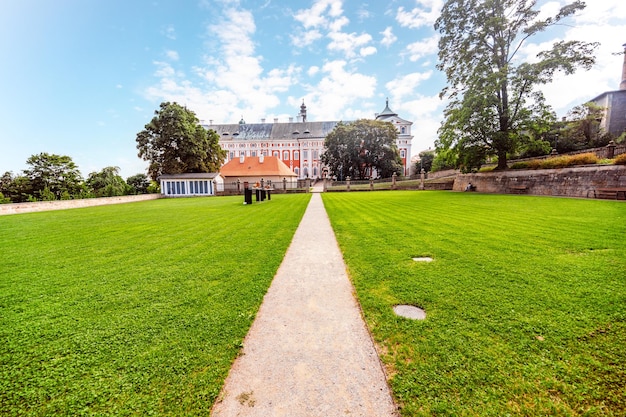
496,108
579,130
56,177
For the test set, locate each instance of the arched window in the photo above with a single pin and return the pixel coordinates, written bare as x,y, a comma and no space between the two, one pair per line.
403,130
285,155
296,155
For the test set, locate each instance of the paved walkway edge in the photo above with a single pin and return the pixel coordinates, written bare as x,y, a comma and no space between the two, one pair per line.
308,352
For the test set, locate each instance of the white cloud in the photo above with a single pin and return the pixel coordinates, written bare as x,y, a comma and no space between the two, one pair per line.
348,43
172,55
325,19
420,49
333,97
406,86
316,15
169,32
367,51
238,82
305,38
425,14
388,37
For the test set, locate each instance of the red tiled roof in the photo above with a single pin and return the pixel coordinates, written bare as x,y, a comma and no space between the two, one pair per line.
252,166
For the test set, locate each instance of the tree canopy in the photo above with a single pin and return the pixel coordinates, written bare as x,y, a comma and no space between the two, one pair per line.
173,142
360,148
53,177
56,177
495,104
108,183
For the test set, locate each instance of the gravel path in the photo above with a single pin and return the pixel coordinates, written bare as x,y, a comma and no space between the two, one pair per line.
308,352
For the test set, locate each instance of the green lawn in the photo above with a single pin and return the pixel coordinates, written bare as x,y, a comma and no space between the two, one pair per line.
525,299
134,309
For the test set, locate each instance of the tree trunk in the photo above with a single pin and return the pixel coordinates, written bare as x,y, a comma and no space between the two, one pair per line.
502,165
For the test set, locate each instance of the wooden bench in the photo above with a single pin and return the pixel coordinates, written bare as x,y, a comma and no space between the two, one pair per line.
518,189
610,193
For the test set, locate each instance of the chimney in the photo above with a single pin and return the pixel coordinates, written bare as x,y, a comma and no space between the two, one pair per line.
275,119
261,158
262,120
242,158
291,120
622,85
211,122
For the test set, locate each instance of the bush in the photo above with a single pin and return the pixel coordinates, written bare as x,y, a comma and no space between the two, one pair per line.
620,159
582,159
558,162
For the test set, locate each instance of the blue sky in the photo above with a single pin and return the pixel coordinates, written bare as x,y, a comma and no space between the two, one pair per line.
82,77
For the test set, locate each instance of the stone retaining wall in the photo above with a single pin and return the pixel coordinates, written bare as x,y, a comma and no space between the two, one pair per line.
567,182
69,204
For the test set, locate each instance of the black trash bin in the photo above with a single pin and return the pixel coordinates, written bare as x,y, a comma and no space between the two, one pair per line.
247,193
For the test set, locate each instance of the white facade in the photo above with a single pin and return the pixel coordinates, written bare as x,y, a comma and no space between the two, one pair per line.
190,185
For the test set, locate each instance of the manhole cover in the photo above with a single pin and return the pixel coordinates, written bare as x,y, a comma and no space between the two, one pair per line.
410,312
423,259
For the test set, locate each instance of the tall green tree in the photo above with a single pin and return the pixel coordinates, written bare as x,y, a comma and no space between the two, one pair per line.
139,183
361,148
426,161
174,142
108,183
53,177
494,96
581,129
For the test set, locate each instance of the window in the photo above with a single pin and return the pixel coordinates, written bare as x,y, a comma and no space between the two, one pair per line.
305,154
403,130
285,155
276,154
296,155
316,155
315,171
253,153
402,153
297,170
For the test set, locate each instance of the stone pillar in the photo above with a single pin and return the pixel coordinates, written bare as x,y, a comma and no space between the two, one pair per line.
325,186
371,184
238,185
393,181
422,172
347,183
284,184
